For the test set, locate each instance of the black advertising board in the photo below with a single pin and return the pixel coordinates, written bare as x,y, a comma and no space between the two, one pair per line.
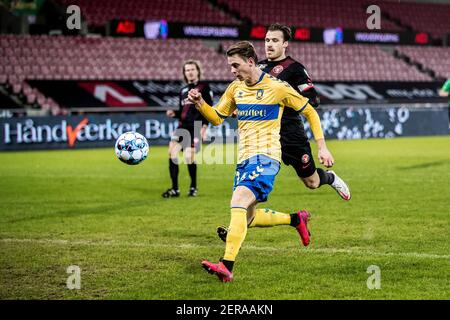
157,29
154,93
181,30
386,37
378,92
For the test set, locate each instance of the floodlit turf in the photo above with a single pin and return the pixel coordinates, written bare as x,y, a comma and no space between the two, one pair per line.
85,208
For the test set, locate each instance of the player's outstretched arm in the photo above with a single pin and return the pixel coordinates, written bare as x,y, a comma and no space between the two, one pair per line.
205,109
324,155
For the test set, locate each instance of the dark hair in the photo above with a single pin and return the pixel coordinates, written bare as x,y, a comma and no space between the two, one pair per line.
197,64
287,32
244,49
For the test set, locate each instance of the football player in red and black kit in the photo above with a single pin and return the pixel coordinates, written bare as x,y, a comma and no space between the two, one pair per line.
191,129
295,147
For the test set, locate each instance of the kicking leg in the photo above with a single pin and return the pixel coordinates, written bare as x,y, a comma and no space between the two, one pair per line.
242,199
300,158
263,218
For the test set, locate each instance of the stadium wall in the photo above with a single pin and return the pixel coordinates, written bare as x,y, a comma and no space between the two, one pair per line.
91,131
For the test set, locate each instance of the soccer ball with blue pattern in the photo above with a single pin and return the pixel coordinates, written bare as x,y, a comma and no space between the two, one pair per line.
131,148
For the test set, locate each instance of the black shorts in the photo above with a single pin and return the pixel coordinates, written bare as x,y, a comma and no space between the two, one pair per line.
300,157
187,137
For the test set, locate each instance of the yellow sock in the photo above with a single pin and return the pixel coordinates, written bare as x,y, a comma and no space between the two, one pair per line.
269,218
236,233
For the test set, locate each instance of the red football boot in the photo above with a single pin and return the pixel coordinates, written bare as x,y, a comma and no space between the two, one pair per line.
302,227
218,269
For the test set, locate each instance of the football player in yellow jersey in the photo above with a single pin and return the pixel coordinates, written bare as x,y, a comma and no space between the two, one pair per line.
259,100
295,147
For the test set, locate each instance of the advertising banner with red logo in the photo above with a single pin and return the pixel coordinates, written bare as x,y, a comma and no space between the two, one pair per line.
34,133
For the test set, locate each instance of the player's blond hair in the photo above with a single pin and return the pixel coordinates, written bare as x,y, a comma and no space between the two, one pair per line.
197,65
244,49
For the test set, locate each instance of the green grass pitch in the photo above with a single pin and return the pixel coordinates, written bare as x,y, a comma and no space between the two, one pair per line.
86,208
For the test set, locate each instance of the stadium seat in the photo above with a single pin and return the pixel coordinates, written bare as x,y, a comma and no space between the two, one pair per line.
429,17
127,58
54,58
99,12
347,62
350,14
432,58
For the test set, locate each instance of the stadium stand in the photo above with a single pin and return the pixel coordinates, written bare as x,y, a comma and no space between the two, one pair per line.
433,58
66,58
99,12
351,14
43,57
54,57
348,62
431,18
319,13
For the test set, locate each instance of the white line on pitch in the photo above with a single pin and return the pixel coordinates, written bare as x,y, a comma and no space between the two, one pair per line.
246,247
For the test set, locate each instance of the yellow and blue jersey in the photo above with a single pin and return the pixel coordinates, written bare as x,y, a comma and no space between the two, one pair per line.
259,110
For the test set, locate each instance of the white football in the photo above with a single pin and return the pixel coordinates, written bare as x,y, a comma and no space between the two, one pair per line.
131,148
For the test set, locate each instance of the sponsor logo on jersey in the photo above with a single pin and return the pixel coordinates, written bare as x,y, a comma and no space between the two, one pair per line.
257,112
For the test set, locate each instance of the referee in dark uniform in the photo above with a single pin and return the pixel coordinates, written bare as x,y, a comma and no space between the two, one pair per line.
190,131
